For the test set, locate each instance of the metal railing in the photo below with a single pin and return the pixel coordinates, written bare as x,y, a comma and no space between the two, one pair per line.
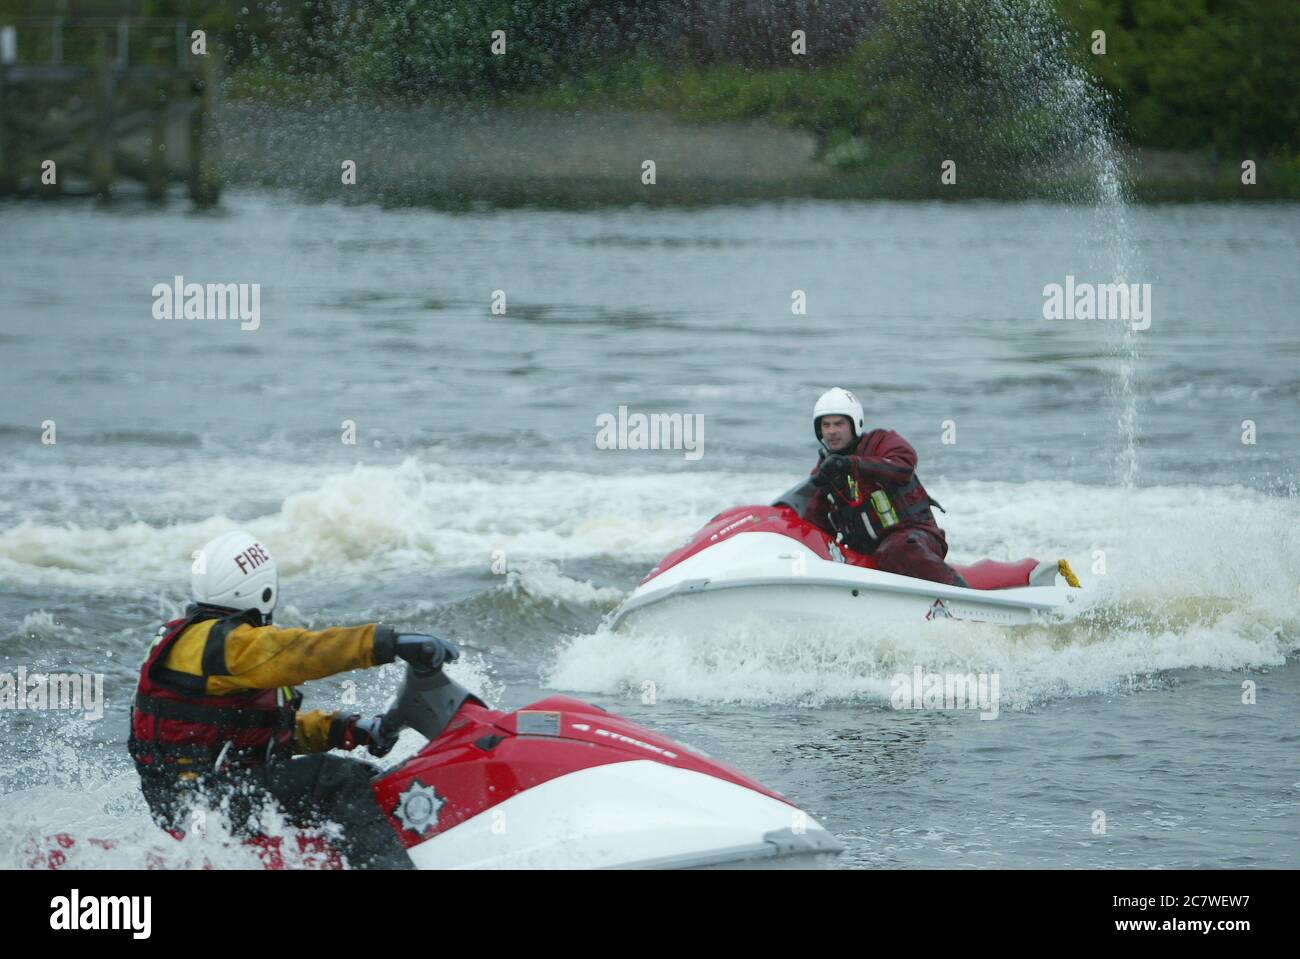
170,31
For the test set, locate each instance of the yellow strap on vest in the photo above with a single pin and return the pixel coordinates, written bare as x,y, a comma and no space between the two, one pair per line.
1063,568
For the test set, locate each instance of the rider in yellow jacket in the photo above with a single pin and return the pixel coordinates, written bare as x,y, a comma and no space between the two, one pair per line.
271,657
215,718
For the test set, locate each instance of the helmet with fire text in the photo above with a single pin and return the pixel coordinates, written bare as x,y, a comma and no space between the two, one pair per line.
236,571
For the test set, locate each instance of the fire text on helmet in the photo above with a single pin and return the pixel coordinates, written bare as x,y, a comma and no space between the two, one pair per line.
252,558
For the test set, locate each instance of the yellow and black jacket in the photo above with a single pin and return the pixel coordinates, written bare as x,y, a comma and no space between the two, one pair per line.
217,689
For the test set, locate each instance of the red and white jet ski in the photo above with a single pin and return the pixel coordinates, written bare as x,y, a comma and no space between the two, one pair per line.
562,783
557,784
769,563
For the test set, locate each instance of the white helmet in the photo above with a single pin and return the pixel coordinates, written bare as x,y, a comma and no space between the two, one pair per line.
838,402
236,571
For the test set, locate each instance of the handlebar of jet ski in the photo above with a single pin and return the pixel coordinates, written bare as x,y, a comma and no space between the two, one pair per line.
427,702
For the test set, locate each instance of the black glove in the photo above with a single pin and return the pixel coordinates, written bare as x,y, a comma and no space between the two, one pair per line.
833,468
349,732
426,652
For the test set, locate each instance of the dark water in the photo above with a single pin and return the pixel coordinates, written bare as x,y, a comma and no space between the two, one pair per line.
475,446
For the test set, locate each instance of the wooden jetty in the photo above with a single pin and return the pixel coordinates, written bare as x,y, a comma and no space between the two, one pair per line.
129,102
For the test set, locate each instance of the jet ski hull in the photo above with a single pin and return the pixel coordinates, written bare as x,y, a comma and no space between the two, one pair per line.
563,784
764,563
629,815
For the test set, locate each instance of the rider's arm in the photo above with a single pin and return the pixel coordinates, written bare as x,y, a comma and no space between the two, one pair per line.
817,509
264,657
893,464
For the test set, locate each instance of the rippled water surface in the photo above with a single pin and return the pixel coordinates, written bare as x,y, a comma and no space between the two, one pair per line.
476,442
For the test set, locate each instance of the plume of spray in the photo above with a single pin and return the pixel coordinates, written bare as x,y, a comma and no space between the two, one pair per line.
1003,85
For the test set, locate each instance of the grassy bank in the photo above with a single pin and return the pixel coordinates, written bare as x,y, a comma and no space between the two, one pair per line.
836,105
1025,97
1018,94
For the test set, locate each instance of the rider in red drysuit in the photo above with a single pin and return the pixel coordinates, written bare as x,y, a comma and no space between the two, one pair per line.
869,497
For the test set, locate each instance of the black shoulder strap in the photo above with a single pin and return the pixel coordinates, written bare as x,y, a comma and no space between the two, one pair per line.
213,662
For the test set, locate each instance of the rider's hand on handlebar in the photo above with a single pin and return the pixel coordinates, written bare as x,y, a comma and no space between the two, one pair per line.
426,652
833,468
349,732
374,735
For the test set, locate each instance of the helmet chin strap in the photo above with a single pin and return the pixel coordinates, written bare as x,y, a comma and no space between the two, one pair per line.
266,617
217,606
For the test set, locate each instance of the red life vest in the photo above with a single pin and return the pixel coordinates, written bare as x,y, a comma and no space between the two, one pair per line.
176,728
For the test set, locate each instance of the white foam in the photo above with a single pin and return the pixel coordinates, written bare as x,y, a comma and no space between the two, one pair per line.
545,581
753,662
41,625
373,519
1193,575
